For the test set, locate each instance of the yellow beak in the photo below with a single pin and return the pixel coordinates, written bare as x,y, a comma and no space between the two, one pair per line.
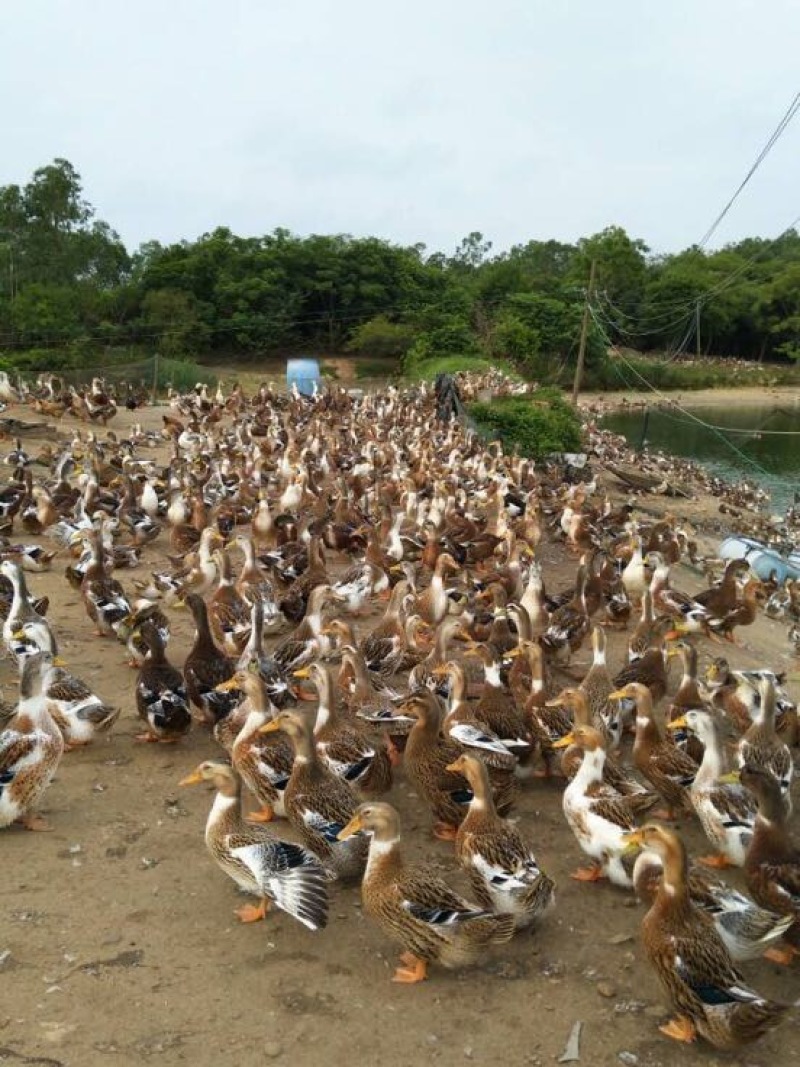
565,742
731,778
270,727
677,724
352,827
227,686
302,672
455,766
514,653
618,694
59,662
191,779
633,842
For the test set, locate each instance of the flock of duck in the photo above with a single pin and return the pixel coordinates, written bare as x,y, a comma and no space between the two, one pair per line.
291,523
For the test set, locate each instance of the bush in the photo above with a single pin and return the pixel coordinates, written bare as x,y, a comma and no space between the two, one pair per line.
381,338
535,425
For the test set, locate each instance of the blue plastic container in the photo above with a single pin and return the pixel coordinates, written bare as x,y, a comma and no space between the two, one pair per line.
764,561
304,373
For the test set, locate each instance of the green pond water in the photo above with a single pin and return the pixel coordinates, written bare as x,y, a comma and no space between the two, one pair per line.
759,442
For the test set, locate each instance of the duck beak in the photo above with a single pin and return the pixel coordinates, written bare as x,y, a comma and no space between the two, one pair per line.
353,827
270,727
302,672
634,842
565,742
731,778
454,767
227,686
673,635
678,724
514,653
58,661
618,694
554,703
191,779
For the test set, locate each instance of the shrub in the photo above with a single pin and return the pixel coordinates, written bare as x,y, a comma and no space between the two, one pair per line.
381,338
535,425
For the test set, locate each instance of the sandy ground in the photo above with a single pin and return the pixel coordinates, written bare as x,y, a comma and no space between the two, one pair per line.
741,396
118,943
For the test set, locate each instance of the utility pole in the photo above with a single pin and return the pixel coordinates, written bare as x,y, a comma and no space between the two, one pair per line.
576,384
697,328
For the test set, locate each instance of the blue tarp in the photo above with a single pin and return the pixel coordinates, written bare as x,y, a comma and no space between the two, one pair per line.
304,373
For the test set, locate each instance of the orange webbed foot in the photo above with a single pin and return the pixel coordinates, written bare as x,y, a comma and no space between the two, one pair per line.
265,814
680,1029
35,822
414,970
718,861
252,913
445,832
588,874
784,955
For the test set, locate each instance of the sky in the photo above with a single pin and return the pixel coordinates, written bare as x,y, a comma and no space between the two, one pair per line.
418,121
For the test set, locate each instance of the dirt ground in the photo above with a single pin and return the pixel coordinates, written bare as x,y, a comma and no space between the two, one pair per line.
118,943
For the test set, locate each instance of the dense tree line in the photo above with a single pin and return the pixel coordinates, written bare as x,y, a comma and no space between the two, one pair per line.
70,290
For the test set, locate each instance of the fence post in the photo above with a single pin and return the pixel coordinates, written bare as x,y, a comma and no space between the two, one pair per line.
154,396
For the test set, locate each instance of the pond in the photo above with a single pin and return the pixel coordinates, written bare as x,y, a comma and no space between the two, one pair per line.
759,442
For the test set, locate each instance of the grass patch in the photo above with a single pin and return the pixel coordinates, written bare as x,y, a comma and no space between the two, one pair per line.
366,368
535,425
427,369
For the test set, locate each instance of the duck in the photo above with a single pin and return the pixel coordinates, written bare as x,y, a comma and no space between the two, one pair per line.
228,611
344,742
690,959
569,624
596,813
577,712
725,809
641,638
468,728
747,930
103,596
205,667
263,762
597,685
277,872
432,604
533,602
426,758
31,747
772,863
76,710
502,867
634,575
743,613
39,636
273,675
668,769
761,747
414,907
318,803
358,584
254,586
161,699
142,610
307,640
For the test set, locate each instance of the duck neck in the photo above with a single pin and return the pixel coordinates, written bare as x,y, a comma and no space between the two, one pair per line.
590,770
712,766
327,708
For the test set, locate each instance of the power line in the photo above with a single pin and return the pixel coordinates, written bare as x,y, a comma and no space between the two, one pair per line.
789,114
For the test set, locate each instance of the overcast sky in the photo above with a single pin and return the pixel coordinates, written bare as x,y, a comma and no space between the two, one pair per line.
415,121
